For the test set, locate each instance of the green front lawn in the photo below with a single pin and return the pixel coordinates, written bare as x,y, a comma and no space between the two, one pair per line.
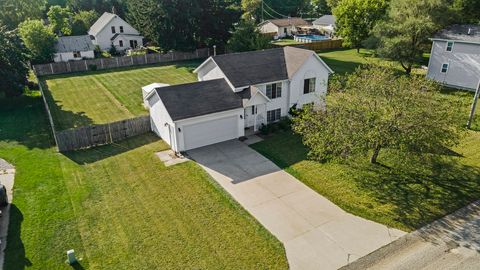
404,194
286,42
119,207
106,96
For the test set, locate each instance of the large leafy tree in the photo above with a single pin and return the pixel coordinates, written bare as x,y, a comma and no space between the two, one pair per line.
246,37
468,10
39,40
374,109
13,12
82,21
403,36
13,63
356,18
100,6
60,20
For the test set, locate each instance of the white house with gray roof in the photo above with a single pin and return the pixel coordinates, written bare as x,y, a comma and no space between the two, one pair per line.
326,23
237,94
110,30
455,57
73,48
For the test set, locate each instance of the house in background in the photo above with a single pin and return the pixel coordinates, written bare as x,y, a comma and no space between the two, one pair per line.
110,30
237,93
455,57
280,28
73,48
326,24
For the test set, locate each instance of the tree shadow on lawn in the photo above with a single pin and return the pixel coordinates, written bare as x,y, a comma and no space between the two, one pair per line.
421,189
95,154
15,252
23,121
64,119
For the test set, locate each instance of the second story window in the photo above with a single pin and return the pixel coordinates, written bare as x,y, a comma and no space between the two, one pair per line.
274,90
113,29
444,68
449,46
120,43
121,29
309,86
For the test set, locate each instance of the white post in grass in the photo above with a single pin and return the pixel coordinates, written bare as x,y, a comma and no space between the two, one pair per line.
474,105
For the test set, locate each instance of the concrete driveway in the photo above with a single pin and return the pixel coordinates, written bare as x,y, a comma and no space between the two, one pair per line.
315,232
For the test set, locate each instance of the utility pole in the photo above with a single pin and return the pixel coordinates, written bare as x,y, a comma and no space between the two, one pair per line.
474,105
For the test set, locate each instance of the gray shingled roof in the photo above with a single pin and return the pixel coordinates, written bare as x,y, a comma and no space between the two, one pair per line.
74,43
325,20
200,98
460,33
289,21
100,23
249,68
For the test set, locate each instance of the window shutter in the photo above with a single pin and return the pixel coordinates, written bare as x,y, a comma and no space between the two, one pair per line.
306,85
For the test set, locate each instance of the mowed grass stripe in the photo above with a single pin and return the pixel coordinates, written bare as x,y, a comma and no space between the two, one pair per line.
107,96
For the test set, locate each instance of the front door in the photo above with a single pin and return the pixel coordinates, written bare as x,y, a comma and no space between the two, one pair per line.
250,113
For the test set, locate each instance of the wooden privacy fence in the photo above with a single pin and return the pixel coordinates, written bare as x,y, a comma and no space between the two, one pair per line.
95,135
322,45
117,62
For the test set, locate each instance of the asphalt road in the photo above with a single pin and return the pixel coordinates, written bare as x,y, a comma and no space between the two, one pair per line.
452,242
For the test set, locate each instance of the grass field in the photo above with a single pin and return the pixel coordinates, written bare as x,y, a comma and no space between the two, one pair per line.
404,194
347,60
286,42
106,96
119,207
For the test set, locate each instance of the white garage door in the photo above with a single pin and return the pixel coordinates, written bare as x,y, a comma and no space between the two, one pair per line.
210,132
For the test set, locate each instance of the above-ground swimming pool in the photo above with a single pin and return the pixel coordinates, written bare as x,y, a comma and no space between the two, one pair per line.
310,38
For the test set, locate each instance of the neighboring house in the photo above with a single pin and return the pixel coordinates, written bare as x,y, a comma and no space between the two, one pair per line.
280,28
73,48
110,30
455,57
326,23
236,92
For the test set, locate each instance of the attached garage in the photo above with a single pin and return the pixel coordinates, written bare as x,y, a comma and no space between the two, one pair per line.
193,115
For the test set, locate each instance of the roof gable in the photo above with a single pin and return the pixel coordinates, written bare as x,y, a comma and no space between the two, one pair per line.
325,20
103,21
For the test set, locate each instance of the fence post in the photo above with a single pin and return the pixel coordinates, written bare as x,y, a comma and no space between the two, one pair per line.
86,66
146,59
51,68
173,56
101,62
69,69
196,52
116,58
131,59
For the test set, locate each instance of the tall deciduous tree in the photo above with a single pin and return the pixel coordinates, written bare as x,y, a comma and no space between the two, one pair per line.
374,109
13,12
60,20
39,40
468,10
404,34
356,18
13,63
82,21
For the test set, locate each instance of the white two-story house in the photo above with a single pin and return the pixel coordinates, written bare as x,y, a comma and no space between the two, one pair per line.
237,92
455,57
110,30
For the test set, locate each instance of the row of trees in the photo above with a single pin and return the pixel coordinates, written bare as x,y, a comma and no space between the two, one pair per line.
399,29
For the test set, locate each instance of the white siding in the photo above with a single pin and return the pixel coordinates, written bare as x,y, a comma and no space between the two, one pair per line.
207,125
268,28
312,68
67,56
277,103
161,121
210,71
103,38
464,64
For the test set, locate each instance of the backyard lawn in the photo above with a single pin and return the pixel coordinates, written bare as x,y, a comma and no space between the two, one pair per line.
119,207
286,42
106,96
347,60
404,194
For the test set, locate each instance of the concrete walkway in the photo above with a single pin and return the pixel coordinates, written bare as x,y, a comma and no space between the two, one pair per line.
7,175
316,233
452,242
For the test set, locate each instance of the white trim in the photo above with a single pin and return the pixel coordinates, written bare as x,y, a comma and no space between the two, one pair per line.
457,41
180,121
